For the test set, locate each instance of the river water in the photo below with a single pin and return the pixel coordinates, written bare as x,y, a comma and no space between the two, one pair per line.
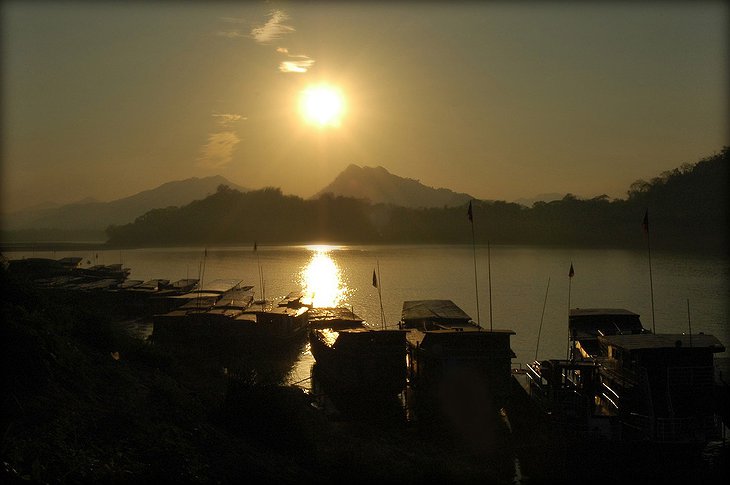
343,276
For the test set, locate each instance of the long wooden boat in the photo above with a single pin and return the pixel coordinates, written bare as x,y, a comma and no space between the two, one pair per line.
448,351
361,360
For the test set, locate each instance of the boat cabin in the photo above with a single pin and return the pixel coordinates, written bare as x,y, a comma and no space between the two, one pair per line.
587,324
663,380
448,356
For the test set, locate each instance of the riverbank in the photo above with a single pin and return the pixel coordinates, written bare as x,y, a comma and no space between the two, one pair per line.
84,401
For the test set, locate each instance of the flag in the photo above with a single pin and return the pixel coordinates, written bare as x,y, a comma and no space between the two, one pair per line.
255,246
645,222
470,214
571,272
375,279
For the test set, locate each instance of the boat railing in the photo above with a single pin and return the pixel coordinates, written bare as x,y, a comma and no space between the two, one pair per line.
671,430
687,429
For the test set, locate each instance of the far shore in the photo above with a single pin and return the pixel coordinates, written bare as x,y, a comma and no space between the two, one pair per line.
45,246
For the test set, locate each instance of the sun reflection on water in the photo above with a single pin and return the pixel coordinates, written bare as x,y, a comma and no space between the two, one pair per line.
321,279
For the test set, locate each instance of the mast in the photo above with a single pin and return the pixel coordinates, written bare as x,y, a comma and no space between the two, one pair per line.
645,225
489,279
542,316
380,296
470,213
689,324
261,274
571,273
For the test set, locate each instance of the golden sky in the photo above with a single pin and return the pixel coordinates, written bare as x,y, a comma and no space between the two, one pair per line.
501,100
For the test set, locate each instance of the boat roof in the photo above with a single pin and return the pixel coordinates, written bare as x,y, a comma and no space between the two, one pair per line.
580,312
322,314
220,285
663,340
237,298
432,310
276,310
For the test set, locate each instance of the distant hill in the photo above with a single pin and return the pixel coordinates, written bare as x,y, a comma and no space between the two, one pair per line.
527,202
377,185
88,215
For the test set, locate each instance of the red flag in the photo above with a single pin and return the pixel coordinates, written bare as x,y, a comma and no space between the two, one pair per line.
375,279
571,272
470,214
645,222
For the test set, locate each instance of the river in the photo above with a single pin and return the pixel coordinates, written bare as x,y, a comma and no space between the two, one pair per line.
343,276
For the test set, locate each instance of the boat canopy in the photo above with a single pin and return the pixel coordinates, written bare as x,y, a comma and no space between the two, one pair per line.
435,311
664,341
220,286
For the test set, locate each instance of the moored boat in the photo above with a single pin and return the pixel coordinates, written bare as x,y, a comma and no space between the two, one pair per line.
447,350
360,360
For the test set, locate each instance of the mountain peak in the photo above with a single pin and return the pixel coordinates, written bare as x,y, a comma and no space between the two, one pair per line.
378,185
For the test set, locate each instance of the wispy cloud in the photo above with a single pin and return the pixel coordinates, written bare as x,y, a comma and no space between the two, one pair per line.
231,34
295,63
296,66
273,29
218,152
227,119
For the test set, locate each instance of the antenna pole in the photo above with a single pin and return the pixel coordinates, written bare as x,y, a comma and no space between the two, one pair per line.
570,283
542,316
689,324
380,296
489,279
474,250
645,225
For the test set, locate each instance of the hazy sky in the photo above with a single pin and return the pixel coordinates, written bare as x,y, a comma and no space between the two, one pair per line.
500,99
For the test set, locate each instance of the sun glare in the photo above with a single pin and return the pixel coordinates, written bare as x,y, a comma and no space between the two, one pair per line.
321,279
322,105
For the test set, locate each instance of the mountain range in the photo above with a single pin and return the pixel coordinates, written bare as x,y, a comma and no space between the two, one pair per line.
379,186
87,218
90,215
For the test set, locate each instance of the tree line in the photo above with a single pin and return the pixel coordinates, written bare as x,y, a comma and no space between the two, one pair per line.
687,210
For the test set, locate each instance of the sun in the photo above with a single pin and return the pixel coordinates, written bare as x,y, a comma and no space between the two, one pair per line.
322,105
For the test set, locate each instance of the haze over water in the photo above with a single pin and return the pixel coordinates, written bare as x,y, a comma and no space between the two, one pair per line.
342,276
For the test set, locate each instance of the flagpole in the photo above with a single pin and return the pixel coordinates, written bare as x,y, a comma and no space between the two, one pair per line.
651,279
489,280
380,296
542,316
689,323
474,249
570,282
261,274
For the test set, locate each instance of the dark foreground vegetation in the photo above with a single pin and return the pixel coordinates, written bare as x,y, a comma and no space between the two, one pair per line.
687,207
83,401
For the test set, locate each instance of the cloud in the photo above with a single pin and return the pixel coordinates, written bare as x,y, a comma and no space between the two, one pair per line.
218,152
296,63
227,119
296,66
231,34
273,29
